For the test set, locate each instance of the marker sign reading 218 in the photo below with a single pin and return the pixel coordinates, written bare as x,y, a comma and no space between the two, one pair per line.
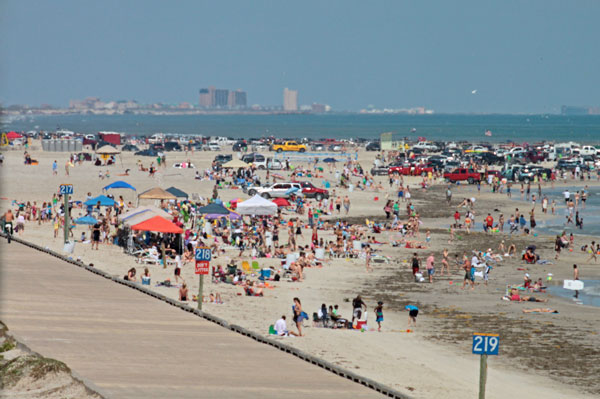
203,254
485,344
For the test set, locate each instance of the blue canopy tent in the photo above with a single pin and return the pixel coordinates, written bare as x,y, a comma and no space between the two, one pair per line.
119,184
214,209
104,201
177,192
86,220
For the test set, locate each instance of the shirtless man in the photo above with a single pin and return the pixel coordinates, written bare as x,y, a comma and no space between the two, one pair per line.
8,222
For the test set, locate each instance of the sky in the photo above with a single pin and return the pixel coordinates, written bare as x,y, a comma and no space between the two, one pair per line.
520,56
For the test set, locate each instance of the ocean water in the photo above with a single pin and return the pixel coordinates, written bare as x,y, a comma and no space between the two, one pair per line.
517,128
590,295
590,215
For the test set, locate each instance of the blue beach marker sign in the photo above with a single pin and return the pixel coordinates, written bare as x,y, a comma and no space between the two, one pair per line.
484,345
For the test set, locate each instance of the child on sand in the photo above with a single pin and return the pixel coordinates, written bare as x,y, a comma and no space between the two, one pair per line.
413,312
379,314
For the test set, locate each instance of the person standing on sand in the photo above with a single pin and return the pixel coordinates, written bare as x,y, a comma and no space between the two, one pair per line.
67,167
379,315
445,264
347,204
54,168
416,262
430,267
467,266
368,258
298,317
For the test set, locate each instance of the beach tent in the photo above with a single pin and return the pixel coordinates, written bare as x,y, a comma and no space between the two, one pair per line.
139,218
13,135
232,216
257,205
86,220
235,163
177,192
146,208
213,209
157,193
107,150
119,184
104,201
159,225
281,202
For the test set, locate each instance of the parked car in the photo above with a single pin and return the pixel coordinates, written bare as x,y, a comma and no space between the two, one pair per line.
463,174
311,191
223,158
424,146
408,169
212,146
172,146
147,153
277,190
288,146
129,147
373,146
380,170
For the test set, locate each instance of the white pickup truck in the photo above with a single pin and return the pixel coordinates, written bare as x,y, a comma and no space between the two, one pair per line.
586,150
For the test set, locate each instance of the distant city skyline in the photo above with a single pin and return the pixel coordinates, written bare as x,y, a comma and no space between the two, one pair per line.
466,56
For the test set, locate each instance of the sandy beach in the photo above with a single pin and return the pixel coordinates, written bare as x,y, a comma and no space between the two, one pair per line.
550,355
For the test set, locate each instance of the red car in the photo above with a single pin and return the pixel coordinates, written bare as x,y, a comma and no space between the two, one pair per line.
462,174
410,169
311,191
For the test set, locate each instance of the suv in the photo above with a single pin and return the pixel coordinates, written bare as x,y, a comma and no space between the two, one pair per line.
311,191
426,147
288,146
277,190
255,159
223,158
462,174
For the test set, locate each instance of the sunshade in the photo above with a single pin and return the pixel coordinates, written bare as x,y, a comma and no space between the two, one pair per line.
177,192
235,163
143,209
13,135
215,209
107,149
104,201
232,216
119,184
86,220
329,160
158,225
257,205
281,202
157,193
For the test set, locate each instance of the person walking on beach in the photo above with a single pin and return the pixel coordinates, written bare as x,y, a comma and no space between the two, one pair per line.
379,315
448,195
298,316
347,204
54,168
357,306
593,252
430,264
445,264
368,258
416,262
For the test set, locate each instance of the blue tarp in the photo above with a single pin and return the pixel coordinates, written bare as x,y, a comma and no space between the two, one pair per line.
104,201
119,184
86,220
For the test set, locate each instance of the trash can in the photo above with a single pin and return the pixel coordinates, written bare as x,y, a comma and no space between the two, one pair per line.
69,247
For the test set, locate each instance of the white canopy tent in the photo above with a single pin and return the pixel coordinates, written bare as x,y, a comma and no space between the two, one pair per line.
257,205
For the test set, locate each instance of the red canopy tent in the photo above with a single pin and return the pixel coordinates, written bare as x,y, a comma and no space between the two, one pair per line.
13,135
158,224
281,202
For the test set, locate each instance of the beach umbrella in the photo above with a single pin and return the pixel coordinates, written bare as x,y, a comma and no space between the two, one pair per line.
281,202
13,135
86,220
177,192
213,209
119,184
107,150
159,225
103,199
235,163
329,160
157,193
291,190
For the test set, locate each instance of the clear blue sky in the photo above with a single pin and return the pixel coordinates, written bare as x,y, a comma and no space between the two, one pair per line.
520,56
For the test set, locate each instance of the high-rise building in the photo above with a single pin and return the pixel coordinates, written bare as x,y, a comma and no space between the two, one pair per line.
290,100
237,99
207,97
221,97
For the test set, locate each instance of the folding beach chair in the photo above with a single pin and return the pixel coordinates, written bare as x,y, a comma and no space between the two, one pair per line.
255,266
246,267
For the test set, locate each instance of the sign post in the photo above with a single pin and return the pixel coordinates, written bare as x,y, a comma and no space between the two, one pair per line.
202,255
65,190
484,345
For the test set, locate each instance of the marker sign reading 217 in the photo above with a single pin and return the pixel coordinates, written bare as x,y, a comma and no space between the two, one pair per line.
486,344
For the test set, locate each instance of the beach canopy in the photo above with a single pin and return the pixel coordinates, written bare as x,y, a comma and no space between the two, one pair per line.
281,202
235,163
86,220
146,208
13,135
257,205
108,150
157,193
177,192
213,209
104,201
119,184
159,225
232,216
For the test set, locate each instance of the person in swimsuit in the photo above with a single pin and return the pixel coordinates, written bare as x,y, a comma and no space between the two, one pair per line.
379,314
297,309
183,293
416,262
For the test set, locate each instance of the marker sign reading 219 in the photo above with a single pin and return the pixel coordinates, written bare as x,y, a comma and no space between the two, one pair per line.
486,344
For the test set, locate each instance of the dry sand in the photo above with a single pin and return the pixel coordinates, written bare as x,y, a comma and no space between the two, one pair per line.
543,355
